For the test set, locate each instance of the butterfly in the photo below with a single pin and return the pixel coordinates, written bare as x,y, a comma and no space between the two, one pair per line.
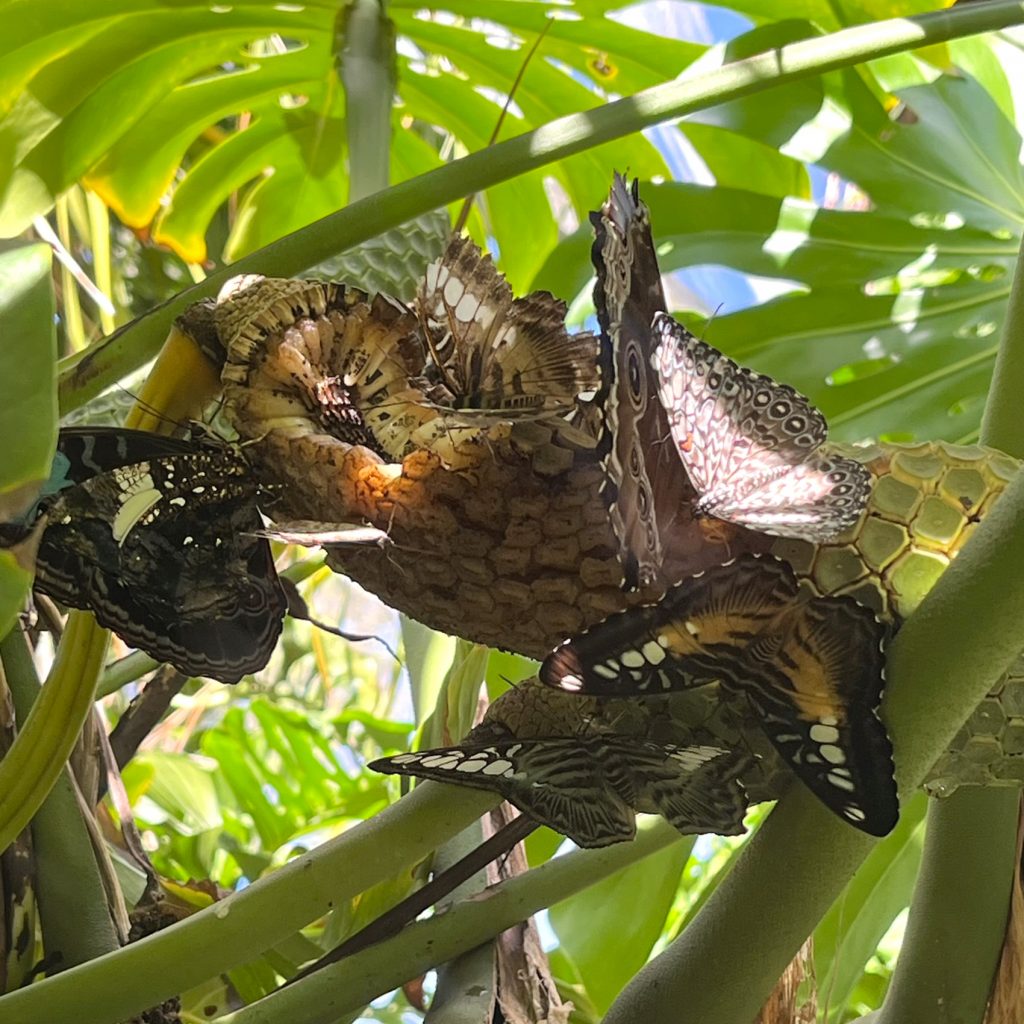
589,787
155,536
323,357
492,353
812,668
751,445
642,486
362,368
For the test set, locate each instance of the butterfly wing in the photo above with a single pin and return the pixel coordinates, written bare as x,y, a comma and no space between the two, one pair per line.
313,533
643,488
817,694
499,357
557,781
84,452
463,302
749,444
537,363
696,789
162,552
325,355
684,640
814,501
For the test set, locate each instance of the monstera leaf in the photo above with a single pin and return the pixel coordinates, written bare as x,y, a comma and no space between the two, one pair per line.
198,101
27,403
892,303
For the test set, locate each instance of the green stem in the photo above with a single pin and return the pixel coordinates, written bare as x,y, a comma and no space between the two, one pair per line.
127,349
348,986
367,67
124,671
958,914
962,897
49,731
1002,424
241,927
73,909
940,665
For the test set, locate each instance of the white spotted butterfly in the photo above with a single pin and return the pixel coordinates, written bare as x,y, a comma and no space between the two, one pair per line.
751,445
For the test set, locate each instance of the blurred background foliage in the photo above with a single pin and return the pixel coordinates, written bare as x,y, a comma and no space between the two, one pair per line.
853,234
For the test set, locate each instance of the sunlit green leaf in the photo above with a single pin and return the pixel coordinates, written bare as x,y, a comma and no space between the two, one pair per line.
608,930
849,933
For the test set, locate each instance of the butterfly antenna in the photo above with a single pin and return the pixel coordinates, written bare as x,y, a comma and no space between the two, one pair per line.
460,222
298,609
152,410
707,323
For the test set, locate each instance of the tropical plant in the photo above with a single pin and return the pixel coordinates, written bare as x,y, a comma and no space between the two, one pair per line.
863,176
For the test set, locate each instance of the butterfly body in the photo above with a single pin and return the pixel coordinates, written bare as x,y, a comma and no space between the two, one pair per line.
644,490
812,667
750,445
160,548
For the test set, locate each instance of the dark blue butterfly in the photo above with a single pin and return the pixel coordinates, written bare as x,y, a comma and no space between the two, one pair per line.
155,536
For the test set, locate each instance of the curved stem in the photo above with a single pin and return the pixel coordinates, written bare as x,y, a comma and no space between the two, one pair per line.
48,733
962,897
1002,425
73,905
124,671
247,923
958,914
127,349
443,884
348,986
46,737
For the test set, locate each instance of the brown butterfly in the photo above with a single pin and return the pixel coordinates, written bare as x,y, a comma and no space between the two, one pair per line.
558,761
813,669
589,788
315,351
643,486
492,353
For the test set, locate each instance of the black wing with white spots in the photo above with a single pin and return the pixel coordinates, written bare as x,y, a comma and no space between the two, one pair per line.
162,550
813,669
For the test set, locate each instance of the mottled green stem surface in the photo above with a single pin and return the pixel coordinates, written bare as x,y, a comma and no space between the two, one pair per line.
345,987
246,924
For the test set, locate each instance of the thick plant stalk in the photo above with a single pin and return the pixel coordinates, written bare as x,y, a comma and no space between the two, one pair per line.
74,912
959,910
247,923
942,663
129,348
1002,424
346,987
961,900
49,732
